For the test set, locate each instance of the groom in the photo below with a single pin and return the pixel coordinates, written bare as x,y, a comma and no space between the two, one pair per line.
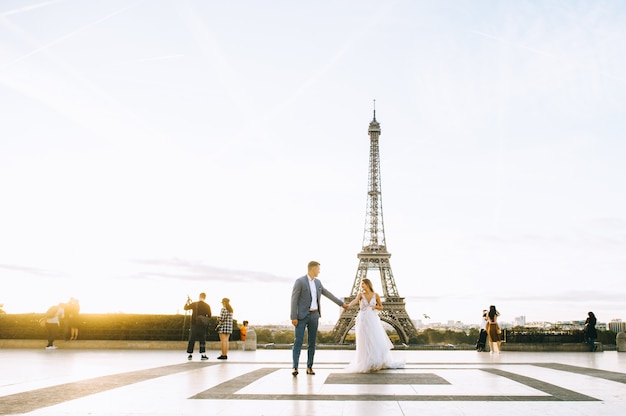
305,313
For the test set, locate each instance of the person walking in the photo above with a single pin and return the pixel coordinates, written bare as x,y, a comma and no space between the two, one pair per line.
306,311
590,331
373,347
54,316
71,312
200,314
493,330
225,327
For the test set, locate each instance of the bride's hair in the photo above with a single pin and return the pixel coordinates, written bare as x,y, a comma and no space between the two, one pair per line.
368,282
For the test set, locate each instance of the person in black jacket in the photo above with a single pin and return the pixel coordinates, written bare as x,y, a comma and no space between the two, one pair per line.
590,331
201,312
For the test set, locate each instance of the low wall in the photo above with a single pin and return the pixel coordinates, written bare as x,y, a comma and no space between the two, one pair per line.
568,347
248,345
123,345
103,327
620,341
508,346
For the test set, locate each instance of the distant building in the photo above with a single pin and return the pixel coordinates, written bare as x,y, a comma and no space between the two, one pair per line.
616,325
519,321
569,325
539,325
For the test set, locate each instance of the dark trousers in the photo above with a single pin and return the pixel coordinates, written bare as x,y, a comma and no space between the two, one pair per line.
592,343
197,333
53,332
310,323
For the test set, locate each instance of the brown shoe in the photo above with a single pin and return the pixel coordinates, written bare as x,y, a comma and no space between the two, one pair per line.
310,371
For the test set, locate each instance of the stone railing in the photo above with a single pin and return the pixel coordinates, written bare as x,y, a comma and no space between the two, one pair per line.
248,345
620,342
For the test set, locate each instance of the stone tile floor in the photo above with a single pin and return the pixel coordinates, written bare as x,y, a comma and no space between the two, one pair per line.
148,382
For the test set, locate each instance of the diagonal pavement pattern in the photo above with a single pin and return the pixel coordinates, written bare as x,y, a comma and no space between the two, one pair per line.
58,382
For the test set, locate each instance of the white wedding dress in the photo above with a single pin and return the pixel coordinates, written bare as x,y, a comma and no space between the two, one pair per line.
372,343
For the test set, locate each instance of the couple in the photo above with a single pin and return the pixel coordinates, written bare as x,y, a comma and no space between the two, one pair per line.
372,342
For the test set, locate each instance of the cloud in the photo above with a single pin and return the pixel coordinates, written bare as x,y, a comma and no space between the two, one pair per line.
28,270
584,296
185,270
530,297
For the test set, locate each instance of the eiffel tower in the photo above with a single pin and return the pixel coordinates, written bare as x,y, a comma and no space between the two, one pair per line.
374,258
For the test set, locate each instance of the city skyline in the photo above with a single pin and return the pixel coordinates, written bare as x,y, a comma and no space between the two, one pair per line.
154,150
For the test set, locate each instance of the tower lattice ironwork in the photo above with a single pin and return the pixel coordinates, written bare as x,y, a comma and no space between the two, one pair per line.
374,257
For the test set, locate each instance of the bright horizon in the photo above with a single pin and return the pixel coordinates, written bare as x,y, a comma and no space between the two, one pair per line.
154,150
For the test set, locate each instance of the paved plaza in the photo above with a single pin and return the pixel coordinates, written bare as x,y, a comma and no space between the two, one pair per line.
149,382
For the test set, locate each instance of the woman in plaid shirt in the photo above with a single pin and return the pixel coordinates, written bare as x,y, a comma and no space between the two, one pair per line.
225,327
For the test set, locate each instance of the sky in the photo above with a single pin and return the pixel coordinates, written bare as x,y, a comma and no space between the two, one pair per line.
152,150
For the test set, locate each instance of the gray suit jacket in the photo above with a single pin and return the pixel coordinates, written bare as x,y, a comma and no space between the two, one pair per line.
301,297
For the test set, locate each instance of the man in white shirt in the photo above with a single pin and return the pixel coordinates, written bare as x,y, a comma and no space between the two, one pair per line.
306,311
53,324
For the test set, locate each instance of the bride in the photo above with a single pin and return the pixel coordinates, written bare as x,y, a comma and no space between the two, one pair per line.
372,343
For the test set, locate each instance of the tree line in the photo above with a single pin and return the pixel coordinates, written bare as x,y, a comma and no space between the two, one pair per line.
428,336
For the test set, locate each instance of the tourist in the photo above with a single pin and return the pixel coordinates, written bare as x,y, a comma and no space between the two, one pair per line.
243,331
225,327
590,331
482,336
53,318
201,312
493,330
72,309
